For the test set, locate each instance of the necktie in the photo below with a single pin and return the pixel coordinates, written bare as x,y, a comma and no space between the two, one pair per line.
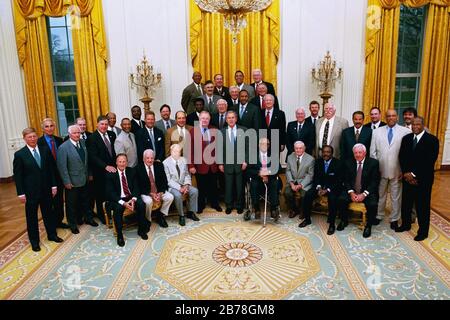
37,157
152,181
374,127
268,118
210,104
108,145
83,136
181,135
264,162
358,178
298,163
53,148
299,128
126,190
199,89
205,135
221,122
81,152
357,135
327,164
415,142
263,103
178,169
242,112
325,133
390,135
232,137
314,121
167,125
152,138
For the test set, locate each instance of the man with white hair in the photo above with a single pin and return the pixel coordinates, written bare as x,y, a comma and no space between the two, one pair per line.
154,187
273,120
300,130
299,176
233,98
258,80
261,92
219,119
180,183
329,130
361,181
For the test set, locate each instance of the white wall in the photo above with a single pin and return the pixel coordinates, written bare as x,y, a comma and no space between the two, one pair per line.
13,114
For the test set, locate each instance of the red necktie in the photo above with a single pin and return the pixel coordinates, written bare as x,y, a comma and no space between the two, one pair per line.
126,190
268,118
53,148
263,104
152,181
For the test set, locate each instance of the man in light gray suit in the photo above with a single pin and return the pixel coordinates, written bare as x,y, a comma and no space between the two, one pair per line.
180,183
385,147
210,98
239,77
72,162
165,123
126,143
329,130
299,176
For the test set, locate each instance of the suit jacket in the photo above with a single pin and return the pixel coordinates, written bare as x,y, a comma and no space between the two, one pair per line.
251,118
253,169
370,178
215,121
114,182
126,143
231,105
144,142
278,121
369,125
73,169
117,130
43,143
335,135
270,87
225,93
386,154
98,154
213,108
135,127
307,135
161,126
232,155
191,118
257,102
189,94
87,136
348,141
420,160
332,179
175,181
304,175
159,175
251,90
31,180
173,137
309,119
197,159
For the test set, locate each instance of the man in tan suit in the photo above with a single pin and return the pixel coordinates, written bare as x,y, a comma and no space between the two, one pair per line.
191,92
177,134
329,130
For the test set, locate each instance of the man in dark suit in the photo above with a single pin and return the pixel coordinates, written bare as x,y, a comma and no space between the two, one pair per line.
136,122
232,159
273,119
355,134
36,185
314,108
199,105
258,100
165,123
249,114
300,130
203,164
233,99
257,78
122,192
418,153
192,91
219,119
327,182
375,119
150,138
361,180
72,164
219,88
53,142
102,159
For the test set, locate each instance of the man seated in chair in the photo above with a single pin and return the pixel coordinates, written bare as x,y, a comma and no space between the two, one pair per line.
264,171
327,182
361,180
180,184
299,176
154,187
122,192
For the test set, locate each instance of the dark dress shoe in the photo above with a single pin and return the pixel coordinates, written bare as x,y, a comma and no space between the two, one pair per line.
247,216
62,225
376,221
143,235
80,222
217,208
394,225
240,211
304,223
367,231
257,215
331,229
292,213
200,210
341,226
56,239
274,214
192,216
228,211
92,223
162,222
35,247
102,220
74,230
120,241
182,221
420,237
403,228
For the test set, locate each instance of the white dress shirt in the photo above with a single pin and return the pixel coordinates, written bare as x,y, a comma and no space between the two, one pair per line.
122,193
362,168
322,131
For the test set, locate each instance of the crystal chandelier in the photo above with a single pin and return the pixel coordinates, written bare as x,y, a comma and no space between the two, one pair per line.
234,12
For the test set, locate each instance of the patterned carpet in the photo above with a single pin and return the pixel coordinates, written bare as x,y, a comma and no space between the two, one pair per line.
222,257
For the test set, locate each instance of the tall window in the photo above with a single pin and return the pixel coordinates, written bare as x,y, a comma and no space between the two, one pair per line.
60,40
409,58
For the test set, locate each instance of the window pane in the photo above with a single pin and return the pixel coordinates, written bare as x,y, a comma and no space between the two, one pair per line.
57,21
405,95
59,45
67,106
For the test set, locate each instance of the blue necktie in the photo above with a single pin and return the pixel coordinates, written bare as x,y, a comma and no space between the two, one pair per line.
327,163
390,135
233,138
37,157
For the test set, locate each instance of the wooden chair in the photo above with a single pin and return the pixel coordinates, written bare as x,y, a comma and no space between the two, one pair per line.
360,209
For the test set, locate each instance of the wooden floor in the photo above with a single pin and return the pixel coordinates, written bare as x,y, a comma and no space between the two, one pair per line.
12,212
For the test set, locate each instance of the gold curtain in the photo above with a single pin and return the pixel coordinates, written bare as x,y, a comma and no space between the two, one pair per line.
34,56
212,49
